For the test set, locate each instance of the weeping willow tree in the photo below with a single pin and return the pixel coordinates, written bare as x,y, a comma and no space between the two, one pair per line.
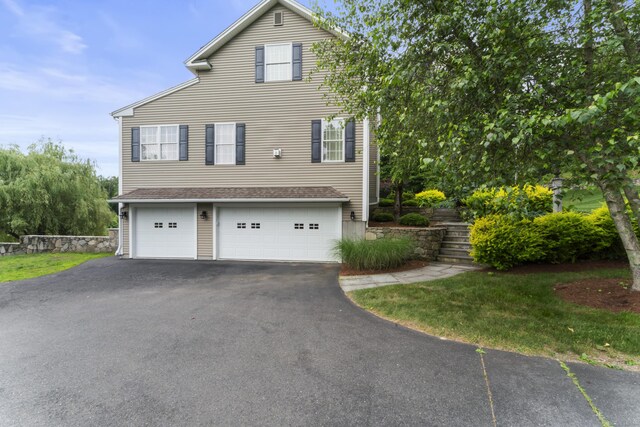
50,190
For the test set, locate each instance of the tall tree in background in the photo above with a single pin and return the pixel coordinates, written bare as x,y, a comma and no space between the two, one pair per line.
500,91
49,190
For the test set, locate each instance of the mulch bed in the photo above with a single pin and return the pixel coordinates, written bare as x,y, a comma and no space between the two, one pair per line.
392,224
609,294
410,265
565,268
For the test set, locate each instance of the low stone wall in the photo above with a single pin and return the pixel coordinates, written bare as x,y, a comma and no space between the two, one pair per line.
428,240
37,243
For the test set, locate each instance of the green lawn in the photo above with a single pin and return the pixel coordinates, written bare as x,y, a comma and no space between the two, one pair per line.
19,267
583,200
512,312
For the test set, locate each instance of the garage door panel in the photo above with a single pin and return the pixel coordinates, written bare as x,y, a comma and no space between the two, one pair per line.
277,238
165,232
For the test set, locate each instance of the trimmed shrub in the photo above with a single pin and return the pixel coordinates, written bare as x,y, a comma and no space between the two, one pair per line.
527,201
502,242
414,219
377,254
412,202
569,236
384,203
430,198
379,216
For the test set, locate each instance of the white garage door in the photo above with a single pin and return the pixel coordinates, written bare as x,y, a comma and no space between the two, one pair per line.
164,232
283,234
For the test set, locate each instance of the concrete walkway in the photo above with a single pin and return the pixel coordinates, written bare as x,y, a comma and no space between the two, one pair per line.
432,271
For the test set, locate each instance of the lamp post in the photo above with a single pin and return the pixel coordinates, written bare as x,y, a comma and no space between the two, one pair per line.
556,187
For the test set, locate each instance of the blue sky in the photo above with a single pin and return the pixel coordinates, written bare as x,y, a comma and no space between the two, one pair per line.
65,65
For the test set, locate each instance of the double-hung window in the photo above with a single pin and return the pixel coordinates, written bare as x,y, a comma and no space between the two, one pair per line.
225,143
333,140
277,60
159,142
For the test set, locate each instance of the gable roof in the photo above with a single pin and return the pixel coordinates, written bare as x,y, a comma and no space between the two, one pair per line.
199,59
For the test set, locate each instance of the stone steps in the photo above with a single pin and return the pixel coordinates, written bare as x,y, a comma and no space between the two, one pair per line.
455,247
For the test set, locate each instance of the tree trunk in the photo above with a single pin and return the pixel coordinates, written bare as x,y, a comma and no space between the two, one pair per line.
634,200
621,219
397,205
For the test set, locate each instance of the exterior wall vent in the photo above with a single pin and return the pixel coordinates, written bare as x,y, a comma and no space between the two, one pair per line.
278,18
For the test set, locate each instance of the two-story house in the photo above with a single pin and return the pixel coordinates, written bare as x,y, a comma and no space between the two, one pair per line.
243,162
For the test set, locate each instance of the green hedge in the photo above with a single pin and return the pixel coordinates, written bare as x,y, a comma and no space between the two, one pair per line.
414,219
377,254
380,216
504,241
385,203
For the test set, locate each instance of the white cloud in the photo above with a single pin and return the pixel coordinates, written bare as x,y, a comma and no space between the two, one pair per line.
39,23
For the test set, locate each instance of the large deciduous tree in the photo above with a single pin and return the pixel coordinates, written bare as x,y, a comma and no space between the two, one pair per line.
500,91
49,190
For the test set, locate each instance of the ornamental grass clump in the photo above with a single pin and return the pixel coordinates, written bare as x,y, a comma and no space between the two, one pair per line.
380,254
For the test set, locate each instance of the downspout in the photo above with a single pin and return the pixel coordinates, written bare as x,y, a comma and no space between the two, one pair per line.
365,169
120,205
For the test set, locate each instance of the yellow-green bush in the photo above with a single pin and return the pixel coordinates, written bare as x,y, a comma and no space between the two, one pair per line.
527,201
430,198
502,242
568,236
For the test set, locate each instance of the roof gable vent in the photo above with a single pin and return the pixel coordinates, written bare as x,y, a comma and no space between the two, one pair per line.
278,18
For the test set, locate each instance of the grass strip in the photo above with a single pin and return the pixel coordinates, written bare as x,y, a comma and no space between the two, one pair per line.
21,267
515,312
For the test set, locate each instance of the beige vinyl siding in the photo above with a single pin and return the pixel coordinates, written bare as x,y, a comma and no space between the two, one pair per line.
205,231
276,114
125,233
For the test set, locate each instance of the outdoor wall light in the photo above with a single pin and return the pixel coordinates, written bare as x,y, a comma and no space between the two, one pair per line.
124,214
204,215
353,216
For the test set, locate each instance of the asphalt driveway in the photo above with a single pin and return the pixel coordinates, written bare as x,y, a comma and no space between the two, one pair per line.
219,343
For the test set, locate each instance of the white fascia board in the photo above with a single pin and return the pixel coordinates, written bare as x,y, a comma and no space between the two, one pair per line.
328,200
247,19
128,110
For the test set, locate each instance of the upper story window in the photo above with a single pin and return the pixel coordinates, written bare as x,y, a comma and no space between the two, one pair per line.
159,142
277,60
333,140
225,143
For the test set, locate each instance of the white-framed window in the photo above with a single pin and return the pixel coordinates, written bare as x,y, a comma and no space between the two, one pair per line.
277,62
333,140
225,143
159,142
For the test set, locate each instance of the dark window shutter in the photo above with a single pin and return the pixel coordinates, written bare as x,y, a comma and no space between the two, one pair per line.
135,144
297,61
259,64
240,136
184,142
210,144
316,141
350,141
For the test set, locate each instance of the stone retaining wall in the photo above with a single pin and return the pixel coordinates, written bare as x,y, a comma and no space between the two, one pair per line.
428,240
37,243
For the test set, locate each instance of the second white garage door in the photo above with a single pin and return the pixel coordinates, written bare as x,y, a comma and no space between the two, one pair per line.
282,234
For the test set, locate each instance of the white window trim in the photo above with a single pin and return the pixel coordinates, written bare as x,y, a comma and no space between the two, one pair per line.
344,136
177,143
266,62
233,162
